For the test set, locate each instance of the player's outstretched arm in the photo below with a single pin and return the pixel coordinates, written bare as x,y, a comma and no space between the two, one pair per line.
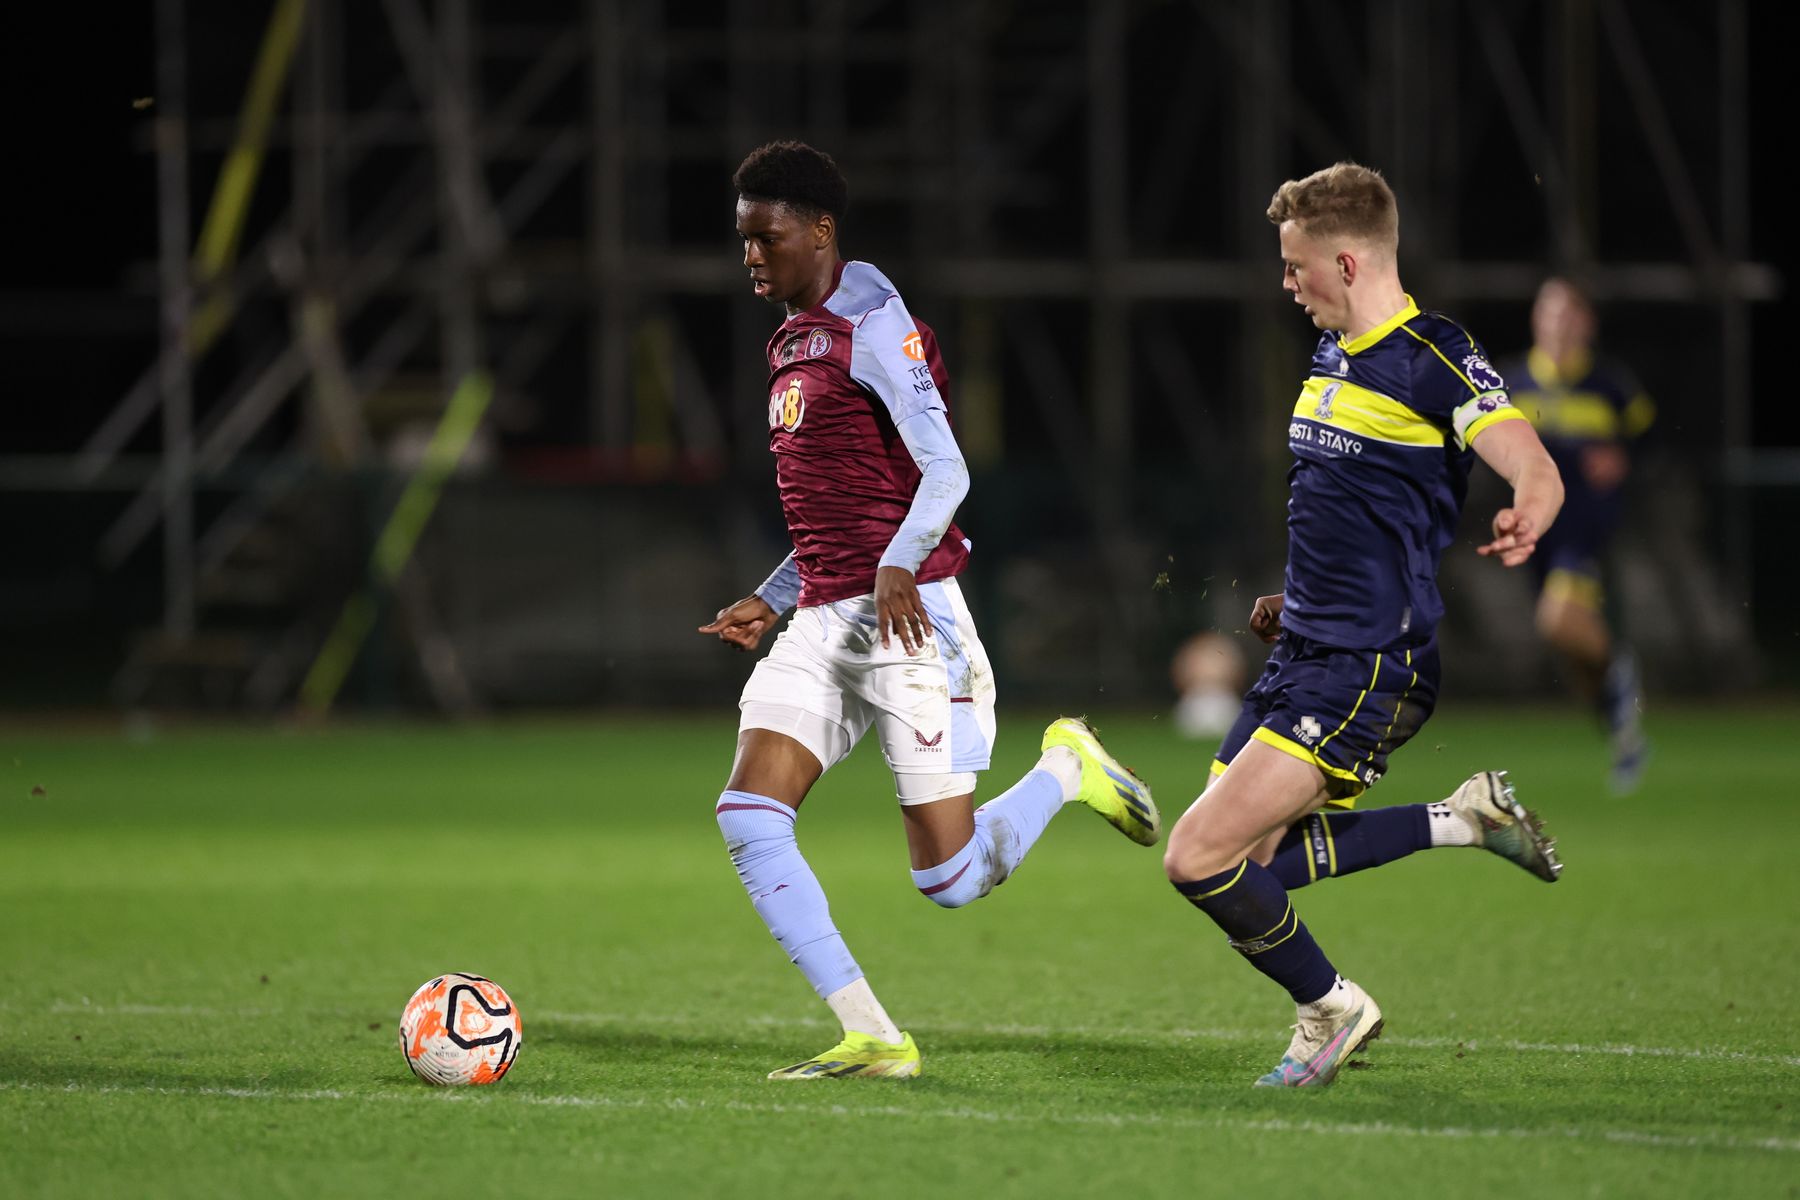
743,624
1512,448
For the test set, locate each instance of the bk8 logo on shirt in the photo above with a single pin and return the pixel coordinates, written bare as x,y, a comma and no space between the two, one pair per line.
787,407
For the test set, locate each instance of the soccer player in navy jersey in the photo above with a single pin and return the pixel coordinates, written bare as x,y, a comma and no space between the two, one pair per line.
1395,404
870,476
1590,411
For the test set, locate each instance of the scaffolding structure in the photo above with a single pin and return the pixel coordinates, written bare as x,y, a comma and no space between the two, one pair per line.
412,193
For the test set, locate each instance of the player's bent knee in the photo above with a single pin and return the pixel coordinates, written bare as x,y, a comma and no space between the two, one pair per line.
1192,853
958,892
1180,865
1179,860
1553,626
753,825
965,877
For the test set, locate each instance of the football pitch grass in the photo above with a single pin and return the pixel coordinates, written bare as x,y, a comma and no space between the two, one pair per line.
210,934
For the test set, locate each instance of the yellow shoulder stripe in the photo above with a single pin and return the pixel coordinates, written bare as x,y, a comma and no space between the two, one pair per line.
1454,370
1358,344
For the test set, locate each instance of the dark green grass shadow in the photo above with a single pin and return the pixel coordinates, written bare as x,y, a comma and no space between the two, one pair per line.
961,1064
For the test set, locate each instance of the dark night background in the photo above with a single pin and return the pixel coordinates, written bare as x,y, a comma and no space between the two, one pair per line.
78,304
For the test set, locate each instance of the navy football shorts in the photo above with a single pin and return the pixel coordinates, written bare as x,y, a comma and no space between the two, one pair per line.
1567,560
1344,711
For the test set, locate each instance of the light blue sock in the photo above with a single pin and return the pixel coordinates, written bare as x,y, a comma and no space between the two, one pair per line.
1005,828
759,833
964,877
1016,817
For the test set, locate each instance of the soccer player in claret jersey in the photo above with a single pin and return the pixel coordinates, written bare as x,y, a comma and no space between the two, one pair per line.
1394,404
870,476
1590,412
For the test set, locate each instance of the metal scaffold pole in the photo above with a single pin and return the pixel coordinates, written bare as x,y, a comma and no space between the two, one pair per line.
175,381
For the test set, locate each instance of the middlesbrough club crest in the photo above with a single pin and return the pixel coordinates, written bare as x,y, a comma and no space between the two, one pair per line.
1322,410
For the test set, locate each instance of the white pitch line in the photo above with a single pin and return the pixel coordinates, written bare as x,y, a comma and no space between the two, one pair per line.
1628,1137
65,1007
654,1021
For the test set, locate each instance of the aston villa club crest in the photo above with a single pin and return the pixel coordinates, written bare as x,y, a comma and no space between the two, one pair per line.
814,344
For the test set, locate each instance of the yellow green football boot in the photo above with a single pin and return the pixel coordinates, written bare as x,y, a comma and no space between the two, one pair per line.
1107,785
859,1056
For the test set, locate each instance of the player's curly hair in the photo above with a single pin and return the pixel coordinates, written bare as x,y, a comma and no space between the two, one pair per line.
794,174
1344,200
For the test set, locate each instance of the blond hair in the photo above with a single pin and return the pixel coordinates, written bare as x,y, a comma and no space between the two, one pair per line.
1345,200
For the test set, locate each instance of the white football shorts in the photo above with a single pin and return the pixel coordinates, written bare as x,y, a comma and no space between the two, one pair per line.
827,679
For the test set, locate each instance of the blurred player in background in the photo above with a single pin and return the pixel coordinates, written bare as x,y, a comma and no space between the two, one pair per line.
1208,672
870,477
1395,405
1589,411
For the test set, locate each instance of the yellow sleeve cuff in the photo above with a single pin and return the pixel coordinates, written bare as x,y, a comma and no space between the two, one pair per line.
1506,413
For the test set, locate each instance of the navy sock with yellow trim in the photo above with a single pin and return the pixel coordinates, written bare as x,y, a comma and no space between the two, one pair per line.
1251,906
1341,843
